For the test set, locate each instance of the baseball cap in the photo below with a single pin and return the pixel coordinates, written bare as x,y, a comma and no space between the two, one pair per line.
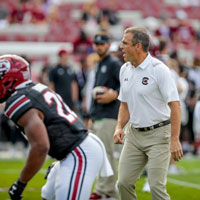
62,51
101,39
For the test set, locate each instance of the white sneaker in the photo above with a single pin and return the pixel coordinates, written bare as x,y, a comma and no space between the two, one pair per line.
173,169
146,187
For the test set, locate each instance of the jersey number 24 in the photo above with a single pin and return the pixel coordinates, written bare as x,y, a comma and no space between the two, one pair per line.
51,97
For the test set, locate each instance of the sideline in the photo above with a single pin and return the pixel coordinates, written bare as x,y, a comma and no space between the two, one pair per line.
183,183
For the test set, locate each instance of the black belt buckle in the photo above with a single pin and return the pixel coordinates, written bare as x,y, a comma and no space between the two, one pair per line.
150,128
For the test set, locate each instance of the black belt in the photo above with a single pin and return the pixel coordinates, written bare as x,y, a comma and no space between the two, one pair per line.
154,126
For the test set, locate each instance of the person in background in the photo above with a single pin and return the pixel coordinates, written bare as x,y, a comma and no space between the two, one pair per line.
196,127
92,60
191,100
163,55
82,46
183,33
63,80
104,109
150,103
52,128
81,77
108,16
88,18
44,74
18,12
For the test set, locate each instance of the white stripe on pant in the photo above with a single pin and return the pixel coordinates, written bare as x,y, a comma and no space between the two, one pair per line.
72,178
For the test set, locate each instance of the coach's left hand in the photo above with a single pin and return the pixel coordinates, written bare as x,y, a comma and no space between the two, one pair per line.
176,149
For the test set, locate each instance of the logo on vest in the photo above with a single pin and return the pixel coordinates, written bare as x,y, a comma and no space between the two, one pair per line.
145,80
103,69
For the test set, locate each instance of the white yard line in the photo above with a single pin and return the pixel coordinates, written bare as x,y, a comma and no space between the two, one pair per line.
183,183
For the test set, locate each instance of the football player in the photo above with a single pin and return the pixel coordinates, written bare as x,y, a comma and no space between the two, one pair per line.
51,128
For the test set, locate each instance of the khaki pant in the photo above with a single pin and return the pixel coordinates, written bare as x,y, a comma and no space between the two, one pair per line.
141,148
104,129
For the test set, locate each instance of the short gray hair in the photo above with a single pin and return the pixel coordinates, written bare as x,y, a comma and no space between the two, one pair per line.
140,35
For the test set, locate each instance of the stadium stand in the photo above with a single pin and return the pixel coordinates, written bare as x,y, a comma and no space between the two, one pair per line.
45,26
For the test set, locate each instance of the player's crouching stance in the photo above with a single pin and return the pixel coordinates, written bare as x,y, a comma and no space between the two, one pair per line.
51,128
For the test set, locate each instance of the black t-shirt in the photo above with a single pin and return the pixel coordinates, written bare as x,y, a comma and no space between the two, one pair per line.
107,75
62,77
65,130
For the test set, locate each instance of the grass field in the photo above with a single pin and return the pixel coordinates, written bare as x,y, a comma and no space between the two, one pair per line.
185,186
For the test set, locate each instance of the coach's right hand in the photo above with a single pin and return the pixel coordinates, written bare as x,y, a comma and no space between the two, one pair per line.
118,136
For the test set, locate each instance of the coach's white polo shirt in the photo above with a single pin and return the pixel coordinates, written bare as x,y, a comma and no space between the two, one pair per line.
147,89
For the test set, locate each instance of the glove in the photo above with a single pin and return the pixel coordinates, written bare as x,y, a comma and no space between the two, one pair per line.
16,190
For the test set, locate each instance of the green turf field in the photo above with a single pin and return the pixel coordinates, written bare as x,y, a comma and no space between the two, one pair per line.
185,186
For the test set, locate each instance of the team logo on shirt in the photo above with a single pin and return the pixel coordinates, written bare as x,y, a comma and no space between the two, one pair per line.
103,69
145,80
61,71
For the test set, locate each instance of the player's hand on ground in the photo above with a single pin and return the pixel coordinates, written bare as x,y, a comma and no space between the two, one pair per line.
118,136
176,149
16,190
